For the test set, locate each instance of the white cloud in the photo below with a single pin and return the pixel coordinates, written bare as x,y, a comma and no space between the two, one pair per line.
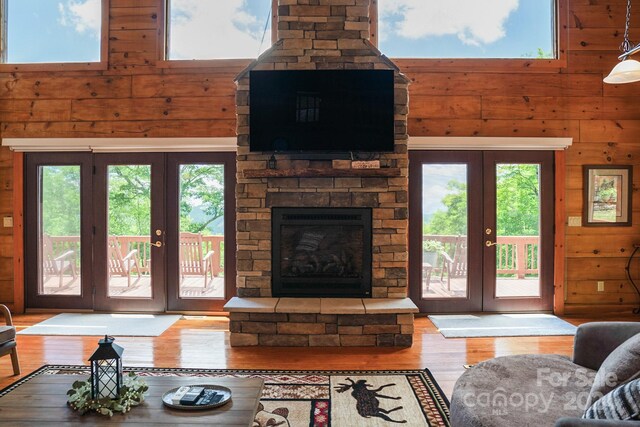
85,16
435,178
474,22
215,29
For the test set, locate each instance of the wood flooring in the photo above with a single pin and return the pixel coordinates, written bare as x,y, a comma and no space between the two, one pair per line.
203,342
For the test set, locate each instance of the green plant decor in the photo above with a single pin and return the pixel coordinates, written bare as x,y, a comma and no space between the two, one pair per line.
131,394
430,251
432,246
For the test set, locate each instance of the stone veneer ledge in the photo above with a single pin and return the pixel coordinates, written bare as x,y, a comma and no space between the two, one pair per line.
321,305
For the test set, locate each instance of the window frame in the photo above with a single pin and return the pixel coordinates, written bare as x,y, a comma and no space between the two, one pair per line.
486,64
102,64
163,31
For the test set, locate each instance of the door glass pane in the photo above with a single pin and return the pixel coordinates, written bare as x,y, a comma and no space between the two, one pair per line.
518,230
59,230
128,233
444,231
201,240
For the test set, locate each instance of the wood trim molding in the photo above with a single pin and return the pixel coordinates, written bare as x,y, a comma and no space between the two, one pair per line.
161,33
559,263
487,143
373,22
121,145
18,233
274,21
230,144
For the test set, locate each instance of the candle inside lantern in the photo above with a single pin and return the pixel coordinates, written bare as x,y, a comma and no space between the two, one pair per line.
106,370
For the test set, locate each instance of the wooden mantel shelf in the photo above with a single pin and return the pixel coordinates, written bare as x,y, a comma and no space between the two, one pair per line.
320,173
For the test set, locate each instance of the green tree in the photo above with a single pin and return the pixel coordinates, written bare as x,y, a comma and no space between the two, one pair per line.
129,189
201,186
61,200
452,220
201,198
518,199
517,203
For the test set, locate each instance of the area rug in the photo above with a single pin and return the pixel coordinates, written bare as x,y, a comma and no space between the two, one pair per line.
500,325
319,398
127,325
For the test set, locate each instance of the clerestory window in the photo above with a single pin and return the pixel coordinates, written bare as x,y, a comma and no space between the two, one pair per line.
214,29
508,29
62,32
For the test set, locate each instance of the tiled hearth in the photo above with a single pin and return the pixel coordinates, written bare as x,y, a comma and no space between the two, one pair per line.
331,34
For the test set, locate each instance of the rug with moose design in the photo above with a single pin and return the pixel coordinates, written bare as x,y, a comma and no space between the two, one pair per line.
320,398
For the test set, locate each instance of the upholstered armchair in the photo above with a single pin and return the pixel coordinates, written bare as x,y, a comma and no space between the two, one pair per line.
8,340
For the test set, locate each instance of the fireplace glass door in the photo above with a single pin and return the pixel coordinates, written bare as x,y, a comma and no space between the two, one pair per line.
321,252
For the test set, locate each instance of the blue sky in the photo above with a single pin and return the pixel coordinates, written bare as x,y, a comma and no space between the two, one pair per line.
68,30
435,178
53,31
465,28
231,28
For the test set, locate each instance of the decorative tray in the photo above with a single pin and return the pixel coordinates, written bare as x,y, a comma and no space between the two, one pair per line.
226,397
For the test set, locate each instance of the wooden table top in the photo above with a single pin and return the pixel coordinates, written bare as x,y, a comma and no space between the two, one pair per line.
43,399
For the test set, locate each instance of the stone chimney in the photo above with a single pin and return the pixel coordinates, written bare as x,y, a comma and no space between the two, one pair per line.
327,25
329,34
317,35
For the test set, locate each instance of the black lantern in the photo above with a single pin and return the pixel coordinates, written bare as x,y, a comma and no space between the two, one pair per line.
106,369
272,163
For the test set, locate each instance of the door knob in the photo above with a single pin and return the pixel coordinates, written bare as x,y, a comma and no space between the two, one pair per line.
158,232
157,244
488,231
489,243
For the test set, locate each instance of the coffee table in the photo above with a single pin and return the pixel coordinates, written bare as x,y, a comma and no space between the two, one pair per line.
43,400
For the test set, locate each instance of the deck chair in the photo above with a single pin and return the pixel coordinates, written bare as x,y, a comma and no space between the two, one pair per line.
8,340
56,265
192,260
455,266
122,265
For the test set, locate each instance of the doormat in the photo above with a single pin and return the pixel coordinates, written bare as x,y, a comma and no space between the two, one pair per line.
318,398
500,325
115,324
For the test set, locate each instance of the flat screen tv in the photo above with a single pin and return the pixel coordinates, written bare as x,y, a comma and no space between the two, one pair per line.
321,110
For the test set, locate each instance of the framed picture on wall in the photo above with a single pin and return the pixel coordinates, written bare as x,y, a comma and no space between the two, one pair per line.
607,195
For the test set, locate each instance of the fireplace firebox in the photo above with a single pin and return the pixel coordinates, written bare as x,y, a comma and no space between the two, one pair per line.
322,252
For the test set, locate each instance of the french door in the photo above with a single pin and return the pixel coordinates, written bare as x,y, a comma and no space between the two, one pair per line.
481,230
130,232
129,253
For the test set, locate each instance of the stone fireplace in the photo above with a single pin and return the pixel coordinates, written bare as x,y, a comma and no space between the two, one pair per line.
321,252
278,261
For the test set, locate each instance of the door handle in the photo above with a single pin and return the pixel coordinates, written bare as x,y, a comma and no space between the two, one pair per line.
157,244
489,243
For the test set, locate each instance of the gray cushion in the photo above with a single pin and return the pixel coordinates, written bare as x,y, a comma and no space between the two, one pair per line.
621,366
7,333
494,392
596,340
623,403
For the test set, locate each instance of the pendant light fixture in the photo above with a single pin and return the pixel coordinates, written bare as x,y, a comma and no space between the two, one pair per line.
628,70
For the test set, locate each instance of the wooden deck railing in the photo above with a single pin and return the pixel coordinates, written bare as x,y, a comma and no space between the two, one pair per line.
515,255
62,244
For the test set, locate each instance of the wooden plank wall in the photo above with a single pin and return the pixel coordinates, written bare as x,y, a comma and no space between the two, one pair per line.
135,98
